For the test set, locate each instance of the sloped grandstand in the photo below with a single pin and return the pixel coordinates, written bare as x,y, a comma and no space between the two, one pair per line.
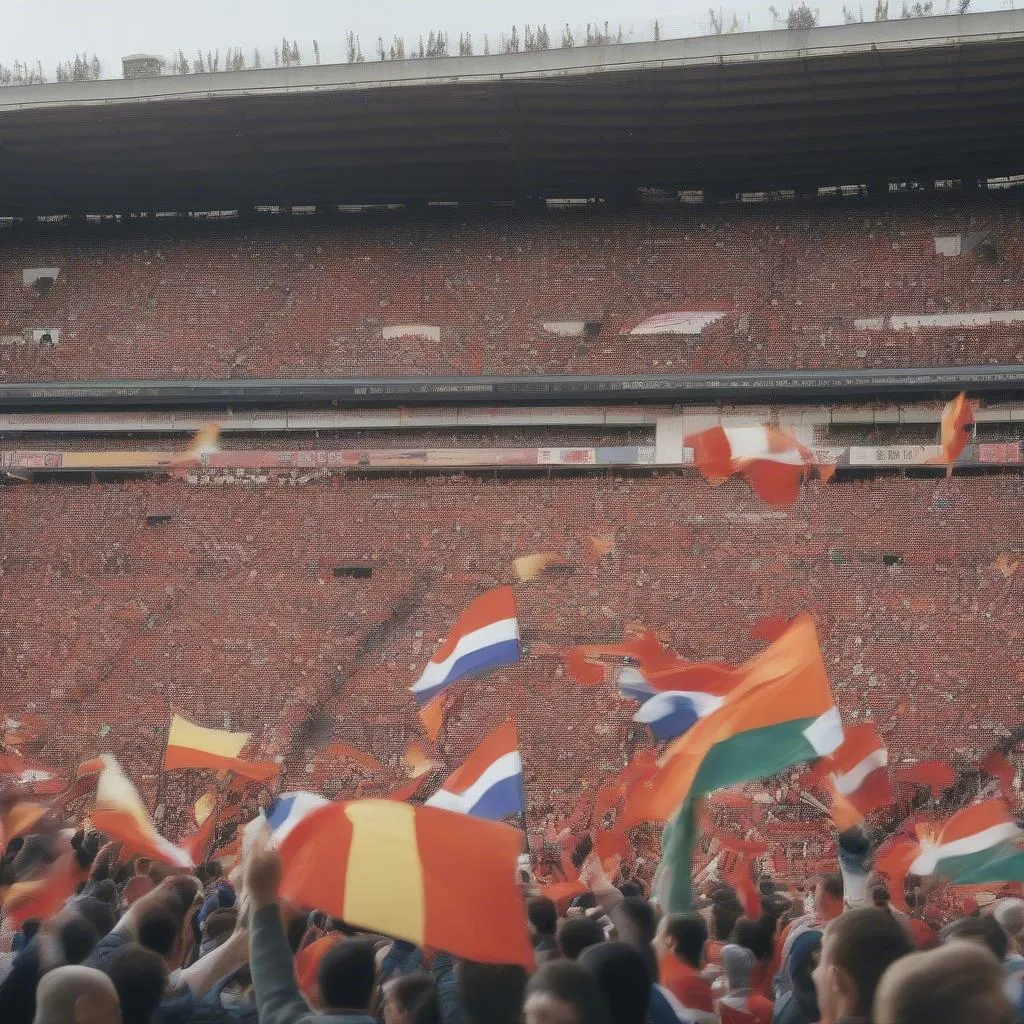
293,582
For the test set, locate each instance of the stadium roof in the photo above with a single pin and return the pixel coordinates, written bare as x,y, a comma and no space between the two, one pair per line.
916,99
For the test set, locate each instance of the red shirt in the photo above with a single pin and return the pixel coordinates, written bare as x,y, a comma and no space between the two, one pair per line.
688,987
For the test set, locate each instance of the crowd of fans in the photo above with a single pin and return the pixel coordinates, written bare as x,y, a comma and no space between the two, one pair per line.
303,613
142,943
314,296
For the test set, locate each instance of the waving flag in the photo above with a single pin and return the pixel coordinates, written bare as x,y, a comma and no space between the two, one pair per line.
979,844
191,746
490,783
773,462
858,769
779,712
414,873
672,713
32,775
288,810
485,637
955,432
120,812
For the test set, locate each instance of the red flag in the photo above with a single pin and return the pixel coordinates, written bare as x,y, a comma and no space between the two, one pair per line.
935,775
773,462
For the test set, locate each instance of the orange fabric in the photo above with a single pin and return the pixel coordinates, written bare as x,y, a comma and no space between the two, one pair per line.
43,897
471,854
185,757
787,681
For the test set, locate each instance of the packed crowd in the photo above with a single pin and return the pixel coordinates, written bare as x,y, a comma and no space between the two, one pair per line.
302,614
316,296
143,943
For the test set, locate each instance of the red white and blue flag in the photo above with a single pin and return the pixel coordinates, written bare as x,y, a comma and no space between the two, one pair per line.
490,783
672,712
485,637
288,810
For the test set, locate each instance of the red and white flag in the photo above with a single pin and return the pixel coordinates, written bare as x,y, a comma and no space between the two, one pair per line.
859,768
774,463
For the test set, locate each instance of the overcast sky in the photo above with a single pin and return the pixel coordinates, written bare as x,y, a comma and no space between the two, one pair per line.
54,30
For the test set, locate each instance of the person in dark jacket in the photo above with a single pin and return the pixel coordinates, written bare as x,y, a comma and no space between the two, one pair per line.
347,976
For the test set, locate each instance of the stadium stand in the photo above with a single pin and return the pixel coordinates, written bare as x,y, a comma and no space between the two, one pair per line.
126,601
481,291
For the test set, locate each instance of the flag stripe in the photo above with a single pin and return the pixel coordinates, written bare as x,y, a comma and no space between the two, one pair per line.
671,713
498,798
488,647
482,857
850,781
190,757
384,858
935,858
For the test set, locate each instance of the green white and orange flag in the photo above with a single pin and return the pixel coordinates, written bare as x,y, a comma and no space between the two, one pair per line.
431,877
779,712
193,746
979,844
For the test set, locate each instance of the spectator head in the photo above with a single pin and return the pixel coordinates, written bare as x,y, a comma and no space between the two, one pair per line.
984,931
623,975
880,897
724,915
140,976
106,891
347,975
542,915
682,935
738,964
828,897
185,888
411,999
98,913
631,890
76,995
158,929
856,951
490,993
217,928
1010,916
575,934
636,923
955,983
77,937
565,993
755,936
136,887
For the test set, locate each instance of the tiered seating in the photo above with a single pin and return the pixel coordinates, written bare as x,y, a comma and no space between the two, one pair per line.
287,297
231,613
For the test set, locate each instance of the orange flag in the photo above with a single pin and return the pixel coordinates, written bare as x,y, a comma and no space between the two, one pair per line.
42,897
121,814
955,432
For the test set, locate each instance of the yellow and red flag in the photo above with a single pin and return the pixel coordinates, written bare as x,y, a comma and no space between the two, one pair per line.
415,873
193,746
